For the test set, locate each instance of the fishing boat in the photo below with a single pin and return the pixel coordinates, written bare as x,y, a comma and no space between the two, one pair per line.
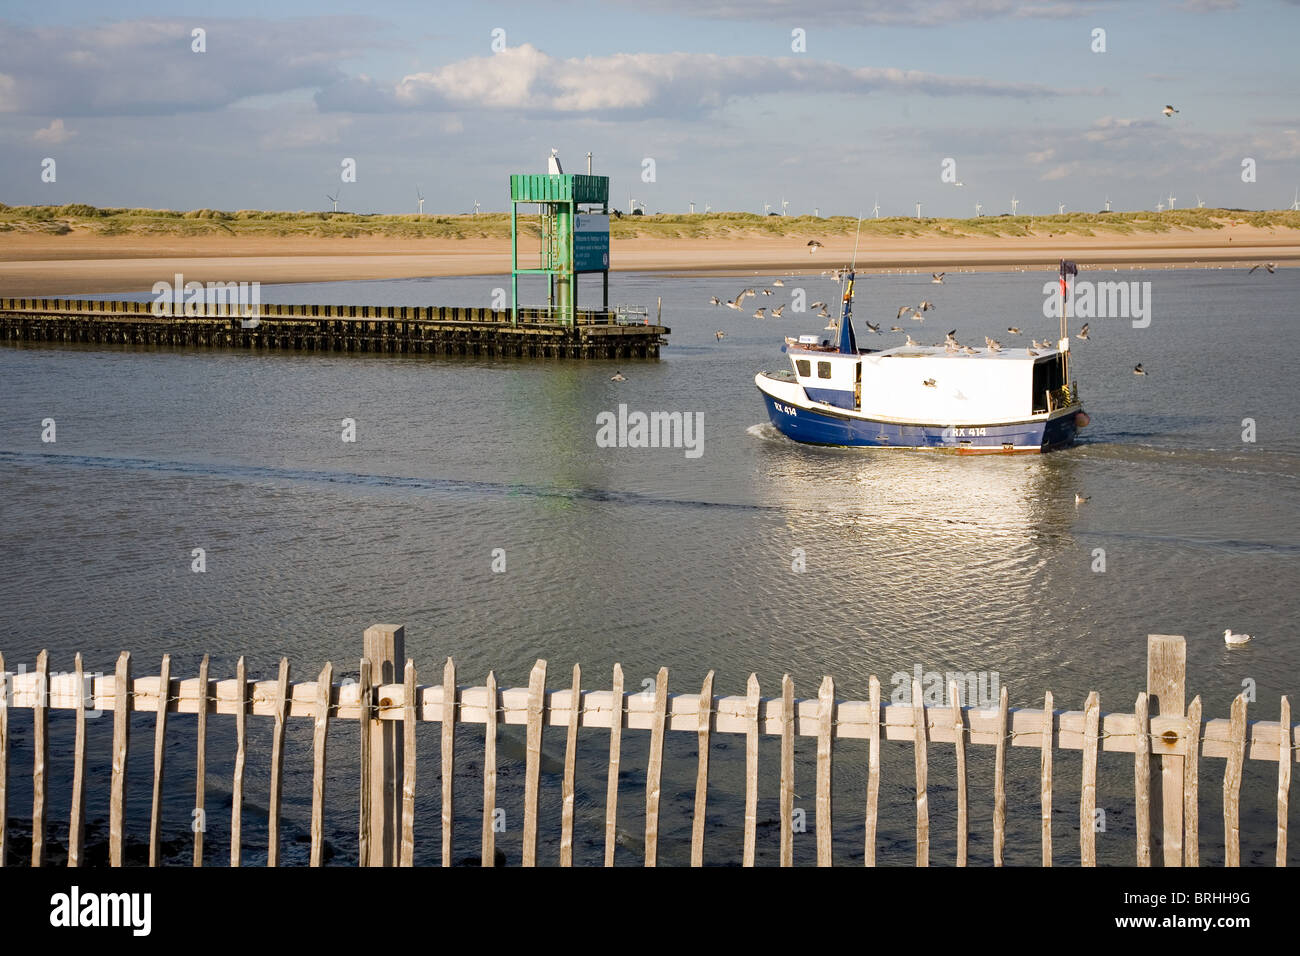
941,398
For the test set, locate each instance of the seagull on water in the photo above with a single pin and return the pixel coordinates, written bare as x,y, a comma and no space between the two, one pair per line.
1270,266
617,377
1080,499
895,328
720,335
778,283
910,341
967,350
1139,370
1234,639
1083,333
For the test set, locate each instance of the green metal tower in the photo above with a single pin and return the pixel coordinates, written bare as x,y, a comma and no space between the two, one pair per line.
574,240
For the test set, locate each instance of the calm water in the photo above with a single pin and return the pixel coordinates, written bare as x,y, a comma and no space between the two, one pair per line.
650,558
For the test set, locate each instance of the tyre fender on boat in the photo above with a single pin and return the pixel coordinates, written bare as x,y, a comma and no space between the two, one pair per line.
1081,419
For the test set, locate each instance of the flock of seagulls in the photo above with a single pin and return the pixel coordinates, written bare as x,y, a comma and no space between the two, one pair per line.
916,312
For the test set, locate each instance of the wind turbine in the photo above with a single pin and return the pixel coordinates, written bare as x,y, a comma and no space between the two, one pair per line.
817,212
420,200
1199,204
1160,205
1060,209
692,205
1295,203
876,209
979,209
334,199
631,205
918,210
476,205
1014,203
784,204
708,208
1108,203
1171,202
767,207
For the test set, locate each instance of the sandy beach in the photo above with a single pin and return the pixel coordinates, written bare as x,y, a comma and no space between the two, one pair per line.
85,263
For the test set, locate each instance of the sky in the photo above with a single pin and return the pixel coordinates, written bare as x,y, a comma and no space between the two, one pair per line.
832,106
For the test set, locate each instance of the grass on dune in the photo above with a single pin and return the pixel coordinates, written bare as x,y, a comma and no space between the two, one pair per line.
83,219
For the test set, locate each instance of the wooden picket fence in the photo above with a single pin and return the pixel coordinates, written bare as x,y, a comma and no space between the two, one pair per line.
389,711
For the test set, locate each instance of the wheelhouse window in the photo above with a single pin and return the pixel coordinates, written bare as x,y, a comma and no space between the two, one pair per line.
823,369
1049,375
803,367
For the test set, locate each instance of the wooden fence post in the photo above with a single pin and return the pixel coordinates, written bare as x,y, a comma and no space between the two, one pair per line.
384,647
1166,685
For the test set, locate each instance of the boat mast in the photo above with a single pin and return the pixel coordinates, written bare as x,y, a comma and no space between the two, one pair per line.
1068,268
848,343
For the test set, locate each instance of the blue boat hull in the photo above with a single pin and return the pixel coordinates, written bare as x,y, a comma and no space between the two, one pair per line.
821,427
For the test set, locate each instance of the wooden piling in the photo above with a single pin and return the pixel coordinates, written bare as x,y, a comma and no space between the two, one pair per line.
159,756
384,647
1166,684
40,755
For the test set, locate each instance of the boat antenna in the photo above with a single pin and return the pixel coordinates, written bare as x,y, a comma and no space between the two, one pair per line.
855,244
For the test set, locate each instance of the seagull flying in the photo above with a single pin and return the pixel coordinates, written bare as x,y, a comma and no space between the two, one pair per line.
720,335
758,313
937,277
776,313
1270,266
1014,331
928,383
873,328
714,300
1083,333
1169,111
903,310
813,246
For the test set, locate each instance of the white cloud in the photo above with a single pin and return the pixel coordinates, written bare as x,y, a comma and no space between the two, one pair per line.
146,67
880,12
645,84
55,133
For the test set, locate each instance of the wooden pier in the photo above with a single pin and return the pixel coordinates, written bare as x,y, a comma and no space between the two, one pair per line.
427,330
1165,744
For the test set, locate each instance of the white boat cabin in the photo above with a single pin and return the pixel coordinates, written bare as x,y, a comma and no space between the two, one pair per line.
922,383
